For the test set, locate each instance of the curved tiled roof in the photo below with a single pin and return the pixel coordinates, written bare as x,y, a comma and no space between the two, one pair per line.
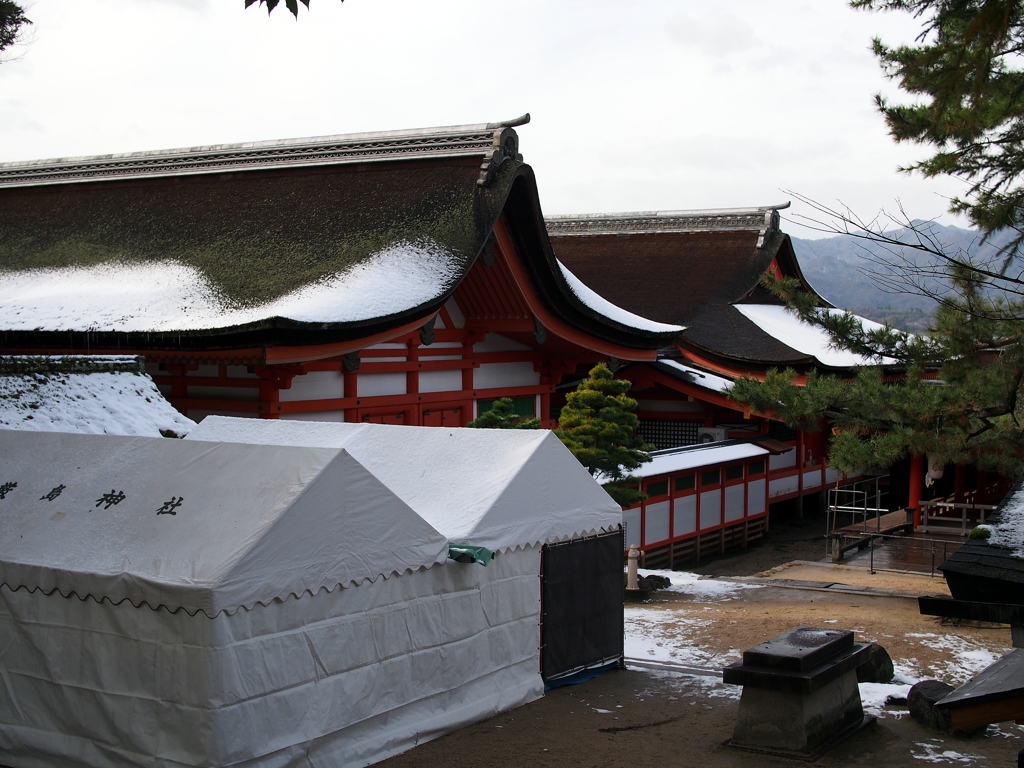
244,244
689,268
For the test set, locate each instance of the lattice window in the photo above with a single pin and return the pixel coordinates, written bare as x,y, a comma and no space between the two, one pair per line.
663,433
779,431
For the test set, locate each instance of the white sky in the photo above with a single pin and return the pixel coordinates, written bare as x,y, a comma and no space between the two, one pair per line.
641,105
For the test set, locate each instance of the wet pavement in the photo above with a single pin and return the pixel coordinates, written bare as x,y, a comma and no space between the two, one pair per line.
918,553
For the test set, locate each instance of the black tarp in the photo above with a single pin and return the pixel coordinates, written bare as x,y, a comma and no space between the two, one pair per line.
581,613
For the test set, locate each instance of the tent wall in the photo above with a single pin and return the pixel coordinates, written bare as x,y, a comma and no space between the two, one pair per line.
582,621
337,679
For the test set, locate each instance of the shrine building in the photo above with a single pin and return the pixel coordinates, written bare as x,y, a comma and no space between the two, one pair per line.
400,278
410,277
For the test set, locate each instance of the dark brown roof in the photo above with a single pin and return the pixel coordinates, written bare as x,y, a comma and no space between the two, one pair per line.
688,276
259,222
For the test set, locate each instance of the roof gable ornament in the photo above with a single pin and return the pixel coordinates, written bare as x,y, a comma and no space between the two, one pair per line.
504,146
771,225
427,333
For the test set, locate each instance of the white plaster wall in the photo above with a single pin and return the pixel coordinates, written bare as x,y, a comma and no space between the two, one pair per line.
494,342
755,497
240,372
315,385
783,485
734,507
441,381
458,319
783,460
686,515
710,508
657,522
500,375
376,384
631,526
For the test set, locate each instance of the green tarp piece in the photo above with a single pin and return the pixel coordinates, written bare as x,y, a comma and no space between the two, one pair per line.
464,554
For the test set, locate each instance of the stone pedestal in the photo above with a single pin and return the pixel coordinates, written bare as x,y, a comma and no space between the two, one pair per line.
800,692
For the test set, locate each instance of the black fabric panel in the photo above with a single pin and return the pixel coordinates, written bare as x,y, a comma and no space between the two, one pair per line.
582,612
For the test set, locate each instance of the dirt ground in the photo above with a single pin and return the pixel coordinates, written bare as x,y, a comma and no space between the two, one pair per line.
658,716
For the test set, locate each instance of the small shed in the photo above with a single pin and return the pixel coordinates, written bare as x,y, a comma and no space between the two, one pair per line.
702,500
219,603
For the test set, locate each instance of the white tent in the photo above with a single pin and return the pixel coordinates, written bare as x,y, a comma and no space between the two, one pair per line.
499,489
217,603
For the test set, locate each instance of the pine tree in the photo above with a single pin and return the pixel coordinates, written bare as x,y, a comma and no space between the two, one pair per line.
958,390
966,66
291,5
12,23
598,425
502,415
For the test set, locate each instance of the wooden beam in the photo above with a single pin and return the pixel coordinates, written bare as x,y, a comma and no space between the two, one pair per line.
986,712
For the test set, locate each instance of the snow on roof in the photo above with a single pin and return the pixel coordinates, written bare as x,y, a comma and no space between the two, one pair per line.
48,395
494,488
1009,531
780,323
691,457
701,378
194,525
604,307
169,296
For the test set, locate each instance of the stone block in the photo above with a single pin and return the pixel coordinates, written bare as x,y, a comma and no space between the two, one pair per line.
794,722
877,666
921,701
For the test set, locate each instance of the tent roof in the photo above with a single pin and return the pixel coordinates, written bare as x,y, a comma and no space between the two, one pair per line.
499,489
255,523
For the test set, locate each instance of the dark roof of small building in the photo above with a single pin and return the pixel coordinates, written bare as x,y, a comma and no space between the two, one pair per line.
256,225
988,572
690,268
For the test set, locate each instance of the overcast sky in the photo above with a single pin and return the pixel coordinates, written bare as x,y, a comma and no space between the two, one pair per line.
639,105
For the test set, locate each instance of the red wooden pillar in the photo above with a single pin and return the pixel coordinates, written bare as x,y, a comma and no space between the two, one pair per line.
351,389
916,486
179,385
800,448
412,384
272,381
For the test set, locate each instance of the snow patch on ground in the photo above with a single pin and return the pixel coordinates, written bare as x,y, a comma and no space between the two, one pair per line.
604,307
700,589
873,696
111,403
967,659
169,296
658,635
935,752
